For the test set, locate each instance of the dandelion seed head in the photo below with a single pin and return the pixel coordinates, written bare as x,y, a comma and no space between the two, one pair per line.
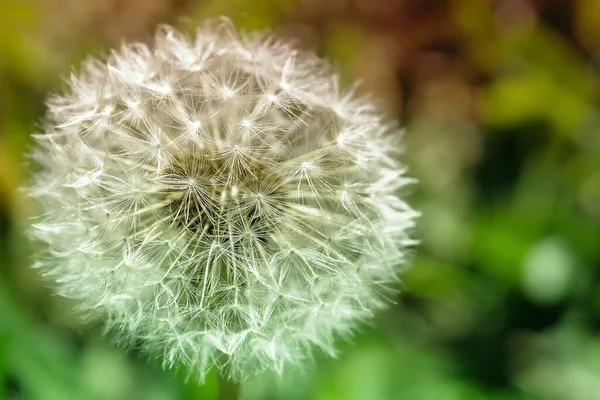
219,200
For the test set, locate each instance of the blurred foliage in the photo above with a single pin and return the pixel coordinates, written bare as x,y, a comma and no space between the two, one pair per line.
500,101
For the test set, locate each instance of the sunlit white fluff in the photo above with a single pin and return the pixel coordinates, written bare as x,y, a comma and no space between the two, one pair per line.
219,200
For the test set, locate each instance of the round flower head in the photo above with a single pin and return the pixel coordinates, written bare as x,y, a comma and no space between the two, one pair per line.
219,201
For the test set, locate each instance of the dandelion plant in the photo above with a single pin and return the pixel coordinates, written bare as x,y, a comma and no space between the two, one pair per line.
219,200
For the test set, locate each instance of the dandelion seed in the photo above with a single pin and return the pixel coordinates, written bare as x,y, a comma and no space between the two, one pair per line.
219,200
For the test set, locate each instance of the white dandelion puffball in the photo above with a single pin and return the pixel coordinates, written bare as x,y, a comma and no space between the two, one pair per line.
218,201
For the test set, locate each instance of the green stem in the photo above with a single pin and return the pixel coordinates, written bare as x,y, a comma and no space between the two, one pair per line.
228,390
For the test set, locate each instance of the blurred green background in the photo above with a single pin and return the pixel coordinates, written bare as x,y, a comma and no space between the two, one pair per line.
500,101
